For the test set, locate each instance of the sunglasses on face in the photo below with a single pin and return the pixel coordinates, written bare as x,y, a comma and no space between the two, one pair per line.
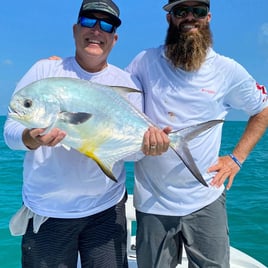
91,23
183,11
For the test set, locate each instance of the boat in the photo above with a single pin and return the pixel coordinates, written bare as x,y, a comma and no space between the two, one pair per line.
238,259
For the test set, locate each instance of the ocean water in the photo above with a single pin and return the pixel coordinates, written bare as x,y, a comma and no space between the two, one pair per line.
247,201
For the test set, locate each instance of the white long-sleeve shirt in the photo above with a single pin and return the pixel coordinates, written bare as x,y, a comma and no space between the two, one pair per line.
173,97
61,183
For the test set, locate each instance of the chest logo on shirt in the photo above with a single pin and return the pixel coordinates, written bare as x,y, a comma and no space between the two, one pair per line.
209,91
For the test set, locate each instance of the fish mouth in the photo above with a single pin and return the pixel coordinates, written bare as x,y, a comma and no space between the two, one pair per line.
20,117
13,113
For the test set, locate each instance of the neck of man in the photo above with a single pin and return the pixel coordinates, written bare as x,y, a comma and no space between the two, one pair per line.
91,64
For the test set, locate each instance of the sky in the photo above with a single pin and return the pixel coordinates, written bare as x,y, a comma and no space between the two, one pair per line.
32,30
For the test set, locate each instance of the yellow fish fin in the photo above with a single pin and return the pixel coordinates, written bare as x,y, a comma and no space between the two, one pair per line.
105,169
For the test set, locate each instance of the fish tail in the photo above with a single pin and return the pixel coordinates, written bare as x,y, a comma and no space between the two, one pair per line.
179,143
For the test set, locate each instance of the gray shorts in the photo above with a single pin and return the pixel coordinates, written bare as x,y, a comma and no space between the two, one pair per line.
203,233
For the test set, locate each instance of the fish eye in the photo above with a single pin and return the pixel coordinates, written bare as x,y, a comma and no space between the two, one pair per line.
27,103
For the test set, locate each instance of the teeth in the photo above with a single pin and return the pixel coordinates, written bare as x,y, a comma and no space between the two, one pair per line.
188,26
94,41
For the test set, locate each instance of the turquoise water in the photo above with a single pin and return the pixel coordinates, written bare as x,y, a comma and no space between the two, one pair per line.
246,201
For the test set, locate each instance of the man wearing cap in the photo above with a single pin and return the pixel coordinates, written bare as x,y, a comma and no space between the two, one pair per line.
69,205
186,82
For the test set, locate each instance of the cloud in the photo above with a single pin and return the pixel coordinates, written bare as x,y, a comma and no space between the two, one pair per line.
263,35
7,62
263,39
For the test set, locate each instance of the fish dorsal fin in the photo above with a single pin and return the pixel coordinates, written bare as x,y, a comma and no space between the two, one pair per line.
74,118
123,91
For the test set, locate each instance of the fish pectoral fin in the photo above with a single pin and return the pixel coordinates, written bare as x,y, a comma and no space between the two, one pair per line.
74,118
186,157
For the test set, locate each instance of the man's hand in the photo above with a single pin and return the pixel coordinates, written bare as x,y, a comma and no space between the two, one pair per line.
54,58
155,141
226,168
33,138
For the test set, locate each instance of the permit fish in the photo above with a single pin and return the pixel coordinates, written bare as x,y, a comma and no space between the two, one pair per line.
98,120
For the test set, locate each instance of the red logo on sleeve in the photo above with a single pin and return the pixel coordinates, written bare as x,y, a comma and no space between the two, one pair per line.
262,88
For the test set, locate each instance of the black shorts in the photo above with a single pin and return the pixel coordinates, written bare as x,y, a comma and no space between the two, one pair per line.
100,240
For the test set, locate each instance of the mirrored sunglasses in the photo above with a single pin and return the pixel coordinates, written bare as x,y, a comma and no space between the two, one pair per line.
91,23
183,11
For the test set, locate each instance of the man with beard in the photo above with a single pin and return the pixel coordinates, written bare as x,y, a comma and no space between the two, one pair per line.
186,82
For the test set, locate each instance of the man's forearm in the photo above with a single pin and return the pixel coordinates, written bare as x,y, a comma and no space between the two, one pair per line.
255,129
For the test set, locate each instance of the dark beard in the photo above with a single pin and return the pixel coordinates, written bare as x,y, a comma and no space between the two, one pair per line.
188,50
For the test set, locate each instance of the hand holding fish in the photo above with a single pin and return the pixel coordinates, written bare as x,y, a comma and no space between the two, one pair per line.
35,137
155,141
226,168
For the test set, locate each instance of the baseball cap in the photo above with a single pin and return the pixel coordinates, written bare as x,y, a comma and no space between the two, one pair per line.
104,6
172,3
